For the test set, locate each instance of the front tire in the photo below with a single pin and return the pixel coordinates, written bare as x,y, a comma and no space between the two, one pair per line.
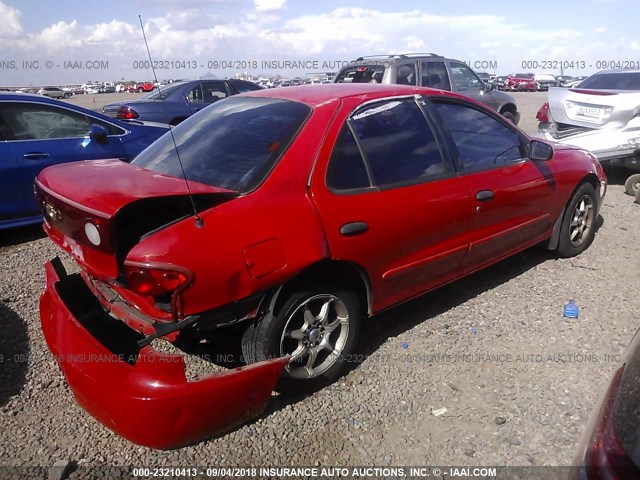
318,327
578,225
632,184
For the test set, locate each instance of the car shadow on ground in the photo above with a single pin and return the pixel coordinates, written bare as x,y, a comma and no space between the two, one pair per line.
16,236
400,319
14,351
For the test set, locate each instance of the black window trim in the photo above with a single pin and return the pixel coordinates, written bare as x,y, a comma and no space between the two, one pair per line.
524,141
126,131
440,141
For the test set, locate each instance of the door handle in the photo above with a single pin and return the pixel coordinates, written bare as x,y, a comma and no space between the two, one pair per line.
353,228
35,155
484,195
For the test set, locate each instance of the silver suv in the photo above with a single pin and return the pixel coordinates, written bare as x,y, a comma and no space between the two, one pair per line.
428,70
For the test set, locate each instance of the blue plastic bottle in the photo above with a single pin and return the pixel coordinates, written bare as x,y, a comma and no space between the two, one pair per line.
570,309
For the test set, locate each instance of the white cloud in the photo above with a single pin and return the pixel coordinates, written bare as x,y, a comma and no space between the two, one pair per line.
10,26
263,5
601,29
204,34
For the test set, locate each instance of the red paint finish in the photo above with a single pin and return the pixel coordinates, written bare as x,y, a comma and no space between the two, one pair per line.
151,403
417,237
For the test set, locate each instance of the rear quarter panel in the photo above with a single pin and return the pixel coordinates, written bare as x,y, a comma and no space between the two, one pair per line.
276,220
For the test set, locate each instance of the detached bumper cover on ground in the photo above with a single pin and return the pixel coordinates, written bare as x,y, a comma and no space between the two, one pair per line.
149,401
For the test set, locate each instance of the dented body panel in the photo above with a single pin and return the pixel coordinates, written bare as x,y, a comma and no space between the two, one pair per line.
150,403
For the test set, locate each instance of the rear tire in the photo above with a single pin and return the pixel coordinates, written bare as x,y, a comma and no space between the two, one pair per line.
509,116
579,222
632,184
317,326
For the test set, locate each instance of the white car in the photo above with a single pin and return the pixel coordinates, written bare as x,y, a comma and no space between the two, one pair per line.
602,115
52,92
92,88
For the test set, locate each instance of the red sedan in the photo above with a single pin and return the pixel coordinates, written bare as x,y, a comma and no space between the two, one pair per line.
294,214
521,82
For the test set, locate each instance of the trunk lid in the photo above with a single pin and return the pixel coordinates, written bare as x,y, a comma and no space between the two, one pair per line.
590,108
122,203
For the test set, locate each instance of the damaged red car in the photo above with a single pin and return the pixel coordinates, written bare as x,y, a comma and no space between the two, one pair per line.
291,215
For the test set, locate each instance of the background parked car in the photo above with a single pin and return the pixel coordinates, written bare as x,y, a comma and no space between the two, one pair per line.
564,79
575,82
544,81
107,89
175,102
600,115
429,70
520,82
36,132
53,92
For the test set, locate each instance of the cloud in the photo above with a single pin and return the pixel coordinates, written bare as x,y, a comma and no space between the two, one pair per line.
208,35
601,29
264,5
10,26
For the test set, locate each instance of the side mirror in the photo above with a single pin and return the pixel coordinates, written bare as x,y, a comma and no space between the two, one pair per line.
488,87
540,151
98,133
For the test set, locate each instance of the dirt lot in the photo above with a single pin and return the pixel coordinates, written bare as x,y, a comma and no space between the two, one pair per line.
518,381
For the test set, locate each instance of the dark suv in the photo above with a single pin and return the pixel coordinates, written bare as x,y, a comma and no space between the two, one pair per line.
429,70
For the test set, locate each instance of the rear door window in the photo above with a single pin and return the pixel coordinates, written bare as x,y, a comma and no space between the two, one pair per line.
434,75
398,143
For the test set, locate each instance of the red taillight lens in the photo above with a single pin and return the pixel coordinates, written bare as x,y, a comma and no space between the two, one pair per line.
605,458
153,282
126,113
543,113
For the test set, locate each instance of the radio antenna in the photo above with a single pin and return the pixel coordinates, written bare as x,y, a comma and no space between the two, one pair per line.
198,218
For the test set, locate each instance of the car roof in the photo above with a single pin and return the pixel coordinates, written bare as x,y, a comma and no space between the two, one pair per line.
317,95
618,70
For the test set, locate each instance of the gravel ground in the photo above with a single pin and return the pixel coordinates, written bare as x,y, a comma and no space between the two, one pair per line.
518,381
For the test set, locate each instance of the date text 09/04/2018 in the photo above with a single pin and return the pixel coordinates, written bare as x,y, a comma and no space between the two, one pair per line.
239,64
580,64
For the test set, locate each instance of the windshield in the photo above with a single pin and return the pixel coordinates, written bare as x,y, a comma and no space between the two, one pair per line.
162,92
361,74
613,81
233,143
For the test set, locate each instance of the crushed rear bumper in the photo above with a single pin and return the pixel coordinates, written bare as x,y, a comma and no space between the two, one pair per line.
140,393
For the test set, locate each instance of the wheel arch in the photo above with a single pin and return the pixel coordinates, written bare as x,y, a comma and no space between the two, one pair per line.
591,179
328,270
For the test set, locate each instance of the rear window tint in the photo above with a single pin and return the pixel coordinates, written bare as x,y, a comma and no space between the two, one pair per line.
613,81
233,143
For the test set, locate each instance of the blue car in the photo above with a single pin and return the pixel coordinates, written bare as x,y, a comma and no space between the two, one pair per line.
177,101
36,132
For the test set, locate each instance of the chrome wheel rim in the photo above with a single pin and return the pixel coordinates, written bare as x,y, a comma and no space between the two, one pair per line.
581,221
315,335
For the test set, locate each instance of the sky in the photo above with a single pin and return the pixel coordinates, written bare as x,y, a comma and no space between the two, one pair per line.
80,41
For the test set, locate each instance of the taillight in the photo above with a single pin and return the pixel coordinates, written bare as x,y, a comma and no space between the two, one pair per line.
156,281
605,458
543,113
126,113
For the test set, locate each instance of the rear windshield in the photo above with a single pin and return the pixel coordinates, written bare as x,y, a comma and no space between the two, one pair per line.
361,74
613,81
233,143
